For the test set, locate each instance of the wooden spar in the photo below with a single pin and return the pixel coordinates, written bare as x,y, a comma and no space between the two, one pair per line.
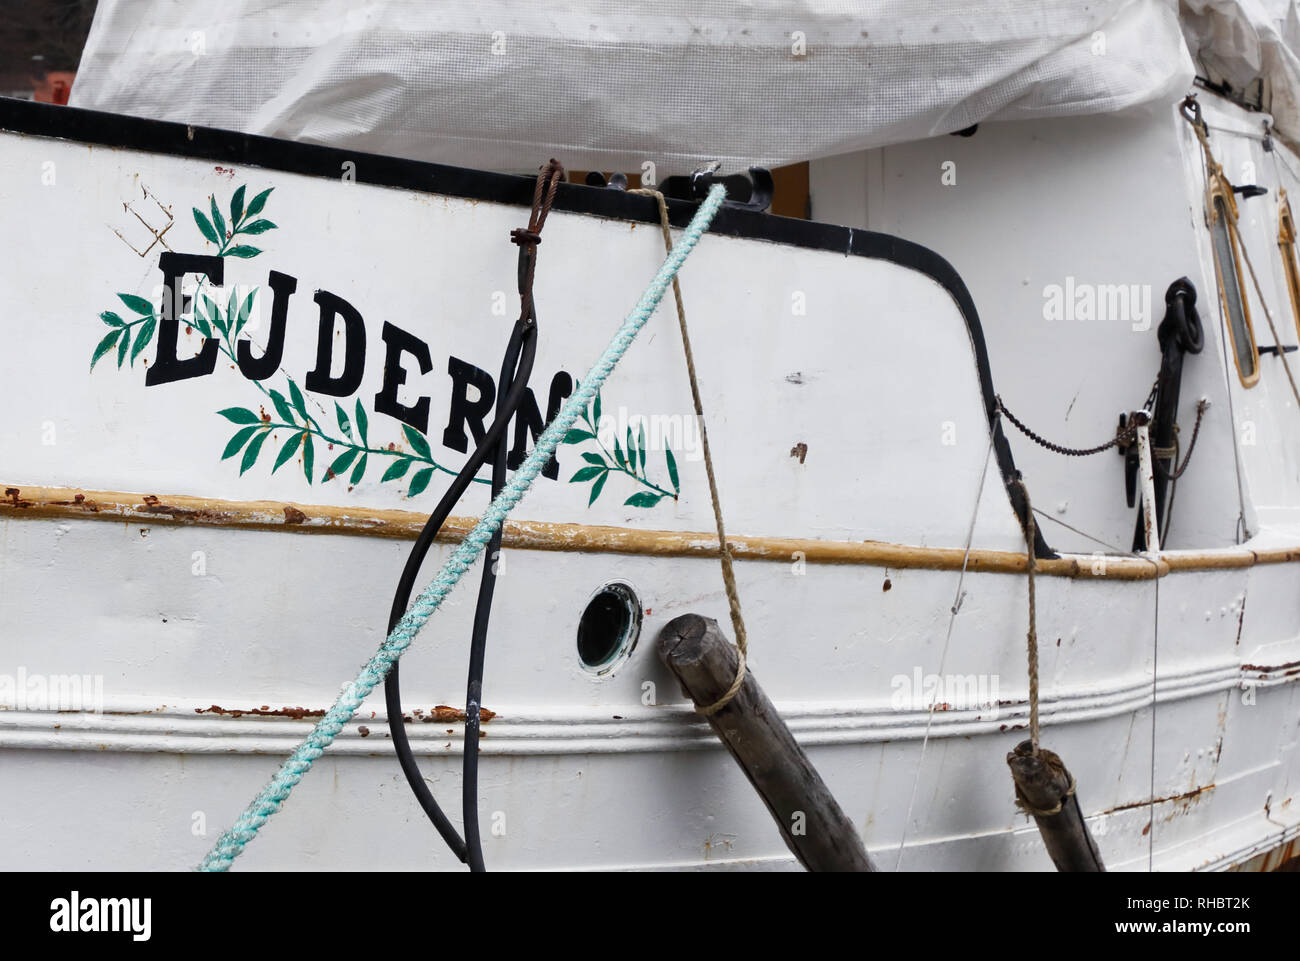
1045,789
812,824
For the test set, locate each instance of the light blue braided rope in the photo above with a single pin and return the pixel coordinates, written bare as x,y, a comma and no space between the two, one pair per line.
268,801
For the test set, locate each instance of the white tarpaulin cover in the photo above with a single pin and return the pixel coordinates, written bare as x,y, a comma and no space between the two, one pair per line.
500,84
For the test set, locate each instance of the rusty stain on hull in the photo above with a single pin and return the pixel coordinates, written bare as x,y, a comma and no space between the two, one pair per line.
1186,800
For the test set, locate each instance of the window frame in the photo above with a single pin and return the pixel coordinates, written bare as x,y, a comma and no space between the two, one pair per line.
1286,238
1221,190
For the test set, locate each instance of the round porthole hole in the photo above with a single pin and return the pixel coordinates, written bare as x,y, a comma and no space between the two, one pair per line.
608,629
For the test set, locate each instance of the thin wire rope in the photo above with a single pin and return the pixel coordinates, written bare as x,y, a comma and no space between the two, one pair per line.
1096,540
943,657
724,549
1155,661
272,797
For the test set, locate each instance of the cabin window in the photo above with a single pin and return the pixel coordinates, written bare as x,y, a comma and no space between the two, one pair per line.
1227,263
1286,242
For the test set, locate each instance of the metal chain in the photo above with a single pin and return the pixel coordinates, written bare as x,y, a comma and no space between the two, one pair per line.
1125,436
1175,474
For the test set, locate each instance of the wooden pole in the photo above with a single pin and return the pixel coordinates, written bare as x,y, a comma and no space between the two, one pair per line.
812,824
1044,789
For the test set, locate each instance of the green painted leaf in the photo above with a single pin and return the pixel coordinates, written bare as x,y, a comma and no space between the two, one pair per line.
257,227
591,458
596,410
282,407
201,323
359,470
232,312
298,400
237,205
122,345
245,309
586,474
237,442
112,319
217,220
308,456
597,487
420,481
398,468
640,445
243,251
141,306
577,436
363,423
644,499
417,441
618,454
143,337
205,228
288,449
104,346
240,415
672,470
340,464
254,448
344,424
215,313
257,203
631,449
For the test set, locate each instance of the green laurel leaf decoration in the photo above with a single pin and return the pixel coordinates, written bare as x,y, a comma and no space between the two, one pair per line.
257,203
344,424
217,220
237,442
419,482
141,306
240,415
340,464
308,456
597,487
143,337
282,407
363,423
205,228
287,450
396,470
417,441
104,346
253,449
299,402
643,499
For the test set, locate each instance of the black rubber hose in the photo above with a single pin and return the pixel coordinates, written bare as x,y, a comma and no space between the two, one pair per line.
519,355
478,652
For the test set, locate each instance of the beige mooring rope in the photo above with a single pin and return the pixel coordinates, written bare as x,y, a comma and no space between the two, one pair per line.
724,551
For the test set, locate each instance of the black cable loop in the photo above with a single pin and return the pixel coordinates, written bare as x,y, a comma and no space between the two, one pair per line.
516,368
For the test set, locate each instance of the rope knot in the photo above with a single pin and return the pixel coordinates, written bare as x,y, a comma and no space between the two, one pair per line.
522,236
